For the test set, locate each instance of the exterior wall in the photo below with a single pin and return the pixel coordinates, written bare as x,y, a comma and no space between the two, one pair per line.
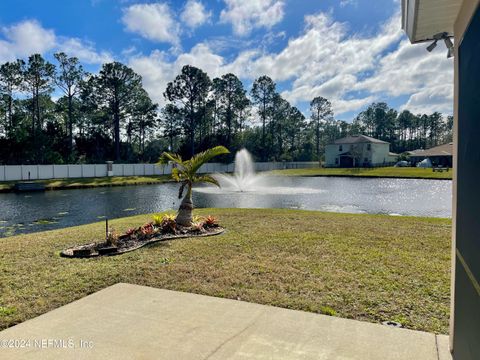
465,304
392,158
378,155
44,172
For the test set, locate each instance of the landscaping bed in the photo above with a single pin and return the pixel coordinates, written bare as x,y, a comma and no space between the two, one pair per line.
164,227
127,244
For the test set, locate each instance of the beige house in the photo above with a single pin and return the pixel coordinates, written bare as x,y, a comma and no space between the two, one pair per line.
358,151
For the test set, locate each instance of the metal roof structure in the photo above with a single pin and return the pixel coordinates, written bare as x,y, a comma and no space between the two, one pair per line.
423,19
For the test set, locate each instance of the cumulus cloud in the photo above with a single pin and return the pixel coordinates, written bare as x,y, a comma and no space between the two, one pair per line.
25,38
326,59
246,15
431,99
152,21
410,70
194,14
156,70
84,51
29,37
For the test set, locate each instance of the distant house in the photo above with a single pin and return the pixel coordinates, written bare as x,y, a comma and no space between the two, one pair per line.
441,155
358,151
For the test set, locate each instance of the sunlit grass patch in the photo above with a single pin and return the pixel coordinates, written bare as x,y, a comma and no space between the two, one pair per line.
389,172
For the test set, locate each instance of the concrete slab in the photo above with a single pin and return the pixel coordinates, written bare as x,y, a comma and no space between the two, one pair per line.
134,322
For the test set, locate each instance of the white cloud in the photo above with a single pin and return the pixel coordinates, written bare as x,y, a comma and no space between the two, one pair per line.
344,3
25,38
427,78
84,51
152,21
323,61
157,71
246,15
429,100
29,37
194,14
326,59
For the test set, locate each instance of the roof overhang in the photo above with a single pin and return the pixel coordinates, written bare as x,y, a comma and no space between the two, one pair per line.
423,19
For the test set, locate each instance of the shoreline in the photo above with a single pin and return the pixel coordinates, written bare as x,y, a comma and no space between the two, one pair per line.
365,176
88,183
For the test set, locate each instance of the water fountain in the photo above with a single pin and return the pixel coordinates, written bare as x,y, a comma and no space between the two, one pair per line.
246,180
244,177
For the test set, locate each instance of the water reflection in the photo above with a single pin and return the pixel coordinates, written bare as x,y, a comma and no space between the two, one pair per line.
55,209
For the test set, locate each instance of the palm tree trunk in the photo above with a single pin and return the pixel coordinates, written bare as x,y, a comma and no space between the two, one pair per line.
184,216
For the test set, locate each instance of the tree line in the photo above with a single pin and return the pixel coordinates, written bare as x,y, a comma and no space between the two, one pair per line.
59,113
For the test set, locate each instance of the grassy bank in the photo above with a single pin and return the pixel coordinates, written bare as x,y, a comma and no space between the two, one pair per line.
365,267
390,172
57,184
387,172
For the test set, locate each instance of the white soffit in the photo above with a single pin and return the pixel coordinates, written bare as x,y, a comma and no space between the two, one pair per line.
422,19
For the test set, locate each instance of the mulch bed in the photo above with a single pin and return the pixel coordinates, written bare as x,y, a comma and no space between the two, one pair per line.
127,243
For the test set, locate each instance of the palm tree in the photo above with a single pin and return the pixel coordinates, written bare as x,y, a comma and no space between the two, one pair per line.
186,174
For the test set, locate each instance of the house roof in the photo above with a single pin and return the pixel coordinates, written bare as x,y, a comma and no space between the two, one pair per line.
423,19
441,150
358,139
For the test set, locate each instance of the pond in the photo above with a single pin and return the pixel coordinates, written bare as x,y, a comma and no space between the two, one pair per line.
24,213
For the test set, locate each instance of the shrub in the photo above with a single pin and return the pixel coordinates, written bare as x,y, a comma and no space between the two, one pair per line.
210,221
198,226
168,224
147,230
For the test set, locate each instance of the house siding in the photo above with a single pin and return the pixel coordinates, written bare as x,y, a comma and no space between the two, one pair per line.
376,156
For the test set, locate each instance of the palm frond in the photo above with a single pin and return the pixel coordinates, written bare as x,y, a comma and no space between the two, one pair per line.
201,158
176,175
206,179
166,157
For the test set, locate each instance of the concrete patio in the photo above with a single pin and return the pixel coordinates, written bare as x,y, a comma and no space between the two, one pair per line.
127,321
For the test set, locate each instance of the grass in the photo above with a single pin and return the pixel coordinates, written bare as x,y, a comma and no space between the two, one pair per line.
79,183
365,267
388,172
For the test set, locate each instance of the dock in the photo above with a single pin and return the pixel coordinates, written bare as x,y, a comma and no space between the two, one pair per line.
27,186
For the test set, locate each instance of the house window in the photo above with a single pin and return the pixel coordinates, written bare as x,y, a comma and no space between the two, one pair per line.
366,160
369,147
336,161
340,148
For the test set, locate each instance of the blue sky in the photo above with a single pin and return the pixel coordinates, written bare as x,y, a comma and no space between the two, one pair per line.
352,52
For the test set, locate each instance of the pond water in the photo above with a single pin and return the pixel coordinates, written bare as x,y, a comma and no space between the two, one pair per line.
23,213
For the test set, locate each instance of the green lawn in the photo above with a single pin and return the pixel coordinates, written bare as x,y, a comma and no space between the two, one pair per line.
94,182
389,172
365,267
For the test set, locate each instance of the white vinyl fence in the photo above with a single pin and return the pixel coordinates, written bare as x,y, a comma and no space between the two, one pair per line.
44,172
